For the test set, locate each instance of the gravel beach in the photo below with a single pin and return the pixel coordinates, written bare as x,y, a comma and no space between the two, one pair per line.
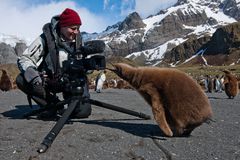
111,135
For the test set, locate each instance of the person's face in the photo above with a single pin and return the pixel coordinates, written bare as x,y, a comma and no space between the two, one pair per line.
69,33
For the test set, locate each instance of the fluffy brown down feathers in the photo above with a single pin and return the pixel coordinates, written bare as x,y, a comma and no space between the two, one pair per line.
230,84
5,81
178,103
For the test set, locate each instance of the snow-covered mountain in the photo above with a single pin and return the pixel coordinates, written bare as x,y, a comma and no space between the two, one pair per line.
148,40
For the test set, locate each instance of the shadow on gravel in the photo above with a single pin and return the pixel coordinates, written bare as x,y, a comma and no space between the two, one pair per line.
215,98
137,129
19,111
141,130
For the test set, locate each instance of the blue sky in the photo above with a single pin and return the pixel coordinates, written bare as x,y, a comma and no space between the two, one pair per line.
25,18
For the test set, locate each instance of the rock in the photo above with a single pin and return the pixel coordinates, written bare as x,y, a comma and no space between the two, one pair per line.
133,21
7,54
20,48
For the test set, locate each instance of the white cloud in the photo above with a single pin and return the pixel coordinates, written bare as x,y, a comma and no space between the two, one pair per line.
25,18
127,6
105,4
27,21
144,7
148,7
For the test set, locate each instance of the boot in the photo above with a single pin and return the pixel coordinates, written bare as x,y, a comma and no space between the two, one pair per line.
53,110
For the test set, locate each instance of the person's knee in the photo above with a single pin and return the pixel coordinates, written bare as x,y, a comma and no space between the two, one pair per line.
83,111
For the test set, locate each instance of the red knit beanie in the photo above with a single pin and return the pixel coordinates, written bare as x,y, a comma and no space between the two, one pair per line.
69,17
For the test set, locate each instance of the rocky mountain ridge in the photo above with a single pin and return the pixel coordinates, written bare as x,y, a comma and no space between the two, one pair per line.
11,47
222,48
169,28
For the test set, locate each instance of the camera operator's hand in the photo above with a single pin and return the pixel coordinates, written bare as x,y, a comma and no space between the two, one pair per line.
38,89
32,76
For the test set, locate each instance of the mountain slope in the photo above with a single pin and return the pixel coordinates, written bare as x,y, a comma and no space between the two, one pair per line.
149,43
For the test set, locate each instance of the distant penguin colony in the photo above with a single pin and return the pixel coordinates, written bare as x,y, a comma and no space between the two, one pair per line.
179,105
230,84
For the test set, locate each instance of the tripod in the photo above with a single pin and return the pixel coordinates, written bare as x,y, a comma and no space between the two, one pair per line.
72,102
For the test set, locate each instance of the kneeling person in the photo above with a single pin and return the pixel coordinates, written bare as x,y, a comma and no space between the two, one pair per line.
41,63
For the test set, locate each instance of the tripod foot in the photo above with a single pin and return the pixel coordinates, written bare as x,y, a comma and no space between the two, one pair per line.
42,148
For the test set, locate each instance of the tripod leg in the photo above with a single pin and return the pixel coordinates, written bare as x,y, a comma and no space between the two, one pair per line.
48,140
120,109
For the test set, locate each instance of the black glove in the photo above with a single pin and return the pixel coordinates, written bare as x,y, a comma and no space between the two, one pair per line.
32,77
38,90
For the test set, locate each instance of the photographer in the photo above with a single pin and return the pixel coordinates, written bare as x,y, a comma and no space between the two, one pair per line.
41,63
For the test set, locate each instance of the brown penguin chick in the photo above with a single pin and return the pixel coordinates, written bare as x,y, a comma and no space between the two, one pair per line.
210,84
230,84
178,103
5,81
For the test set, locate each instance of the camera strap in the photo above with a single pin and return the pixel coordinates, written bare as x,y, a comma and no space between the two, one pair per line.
79,42
52,48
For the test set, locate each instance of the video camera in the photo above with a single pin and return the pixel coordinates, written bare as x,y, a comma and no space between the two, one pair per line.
80,62
96,62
